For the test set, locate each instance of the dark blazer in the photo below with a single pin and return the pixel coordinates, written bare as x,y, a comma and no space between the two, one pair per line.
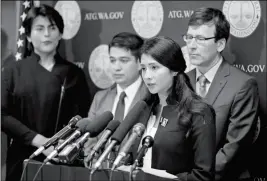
234,96
188,152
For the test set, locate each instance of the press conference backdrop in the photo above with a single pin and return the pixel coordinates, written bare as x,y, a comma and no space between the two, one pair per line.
90,25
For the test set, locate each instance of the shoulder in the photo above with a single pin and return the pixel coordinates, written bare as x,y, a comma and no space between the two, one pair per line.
17,66
105,92
241,81
239,74
72,66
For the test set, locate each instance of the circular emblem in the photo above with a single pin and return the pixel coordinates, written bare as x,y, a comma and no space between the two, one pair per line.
189,66
71,14
147,18
98,67
243,16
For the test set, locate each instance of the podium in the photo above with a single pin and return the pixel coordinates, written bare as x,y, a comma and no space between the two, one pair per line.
68,173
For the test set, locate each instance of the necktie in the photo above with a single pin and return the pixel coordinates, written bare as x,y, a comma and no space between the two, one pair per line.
202,85
119,113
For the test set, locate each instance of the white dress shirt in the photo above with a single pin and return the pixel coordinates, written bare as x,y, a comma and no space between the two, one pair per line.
130,92
209,75
151,129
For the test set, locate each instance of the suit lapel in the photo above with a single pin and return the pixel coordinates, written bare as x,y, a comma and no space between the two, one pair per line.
140,94
109,99
218,82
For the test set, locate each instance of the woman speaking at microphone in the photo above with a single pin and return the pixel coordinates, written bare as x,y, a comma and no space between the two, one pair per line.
182,124
39,89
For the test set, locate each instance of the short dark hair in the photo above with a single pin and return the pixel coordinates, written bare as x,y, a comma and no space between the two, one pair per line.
214,16
165,51
45,11
128,41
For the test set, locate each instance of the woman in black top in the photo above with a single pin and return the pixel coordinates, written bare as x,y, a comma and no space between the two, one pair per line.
33,88
182,124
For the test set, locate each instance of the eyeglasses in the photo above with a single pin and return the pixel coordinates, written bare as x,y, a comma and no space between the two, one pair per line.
199,39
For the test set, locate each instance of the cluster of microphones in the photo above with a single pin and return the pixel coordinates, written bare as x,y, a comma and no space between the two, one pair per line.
79,130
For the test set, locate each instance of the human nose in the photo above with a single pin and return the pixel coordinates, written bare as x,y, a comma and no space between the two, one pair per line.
116,65
192,43
47,32
147,74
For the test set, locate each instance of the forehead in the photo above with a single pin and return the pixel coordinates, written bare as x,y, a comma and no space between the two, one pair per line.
41,20
119,52
204,30
147,59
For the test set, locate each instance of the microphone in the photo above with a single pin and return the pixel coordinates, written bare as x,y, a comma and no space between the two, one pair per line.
112,126
138,131
70,152
131,118
147,142
63,132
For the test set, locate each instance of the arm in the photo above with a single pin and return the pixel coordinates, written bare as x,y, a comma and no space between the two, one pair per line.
10,125
83,95
203,135
243,117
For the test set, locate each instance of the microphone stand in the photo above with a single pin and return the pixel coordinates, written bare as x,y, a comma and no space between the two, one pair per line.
60,103
134,170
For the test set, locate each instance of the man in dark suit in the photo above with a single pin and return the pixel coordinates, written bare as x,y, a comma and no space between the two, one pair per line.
232,93
124,66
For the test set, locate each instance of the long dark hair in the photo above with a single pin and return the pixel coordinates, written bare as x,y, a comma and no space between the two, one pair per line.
168,53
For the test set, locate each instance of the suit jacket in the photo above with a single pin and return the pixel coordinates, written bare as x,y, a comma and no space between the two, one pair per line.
188,152
234,96
104,99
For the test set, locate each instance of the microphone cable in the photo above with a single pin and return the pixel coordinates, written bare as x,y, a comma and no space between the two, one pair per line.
35,176
24,169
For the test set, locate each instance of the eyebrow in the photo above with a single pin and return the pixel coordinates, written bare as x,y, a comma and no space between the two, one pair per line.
149,64
44,26
119,57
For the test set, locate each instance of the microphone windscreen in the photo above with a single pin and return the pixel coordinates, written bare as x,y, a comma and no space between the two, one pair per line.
130,120
82,124
99,123
74,120
112,125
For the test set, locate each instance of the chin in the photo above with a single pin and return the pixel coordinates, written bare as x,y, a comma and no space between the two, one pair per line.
153,91
195,62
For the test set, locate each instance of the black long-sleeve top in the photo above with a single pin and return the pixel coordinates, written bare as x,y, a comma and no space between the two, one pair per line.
30,98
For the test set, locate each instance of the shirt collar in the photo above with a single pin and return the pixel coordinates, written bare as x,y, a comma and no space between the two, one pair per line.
131,90
210,74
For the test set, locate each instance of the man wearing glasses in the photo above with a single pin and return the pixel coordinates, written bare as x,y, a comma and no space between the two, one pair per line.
232,93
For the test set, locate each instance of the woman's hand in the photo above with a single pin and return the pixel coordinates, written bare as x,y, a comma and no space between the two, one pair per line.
39,140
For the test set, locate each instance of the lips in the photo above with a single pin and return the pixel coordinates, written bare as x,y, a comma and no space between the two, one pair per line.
118,75
193,55
47,42
150,85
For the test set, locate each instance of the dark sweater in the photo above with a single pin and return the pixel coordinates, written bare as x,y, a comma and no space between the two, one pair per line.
30,100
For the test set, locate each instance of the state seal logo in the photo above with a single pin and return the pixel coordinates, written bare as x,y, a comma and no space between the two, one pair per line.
147,18
71,14
243,16
98,67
